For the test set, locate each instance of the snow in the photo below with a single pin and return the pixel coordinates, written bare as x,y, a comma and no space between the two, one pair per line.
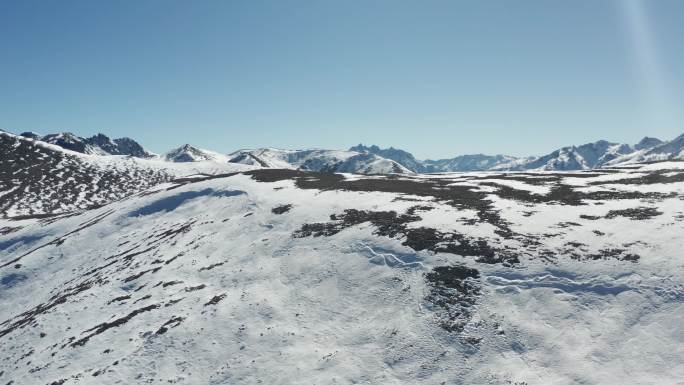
196,279
348,308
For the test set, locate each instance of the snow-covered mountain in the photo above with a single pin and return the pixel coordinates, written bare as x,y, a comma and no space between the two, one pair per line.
99,144
584,157
281,276
319,160
598,154
570,158
647,142
402,157
475,162
672,150
372,159
312,160
188,153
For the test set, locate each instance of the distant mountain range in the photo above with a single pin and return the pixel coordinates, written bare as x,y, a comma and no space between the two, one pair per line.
583,157
320,160
372,159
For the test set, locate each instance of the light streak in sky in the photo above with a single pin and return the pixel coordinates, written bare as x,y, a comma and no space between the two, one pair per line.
652,76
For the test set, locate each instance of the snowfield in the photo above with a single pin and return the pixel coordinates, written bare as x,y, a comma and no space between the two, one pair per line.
277,276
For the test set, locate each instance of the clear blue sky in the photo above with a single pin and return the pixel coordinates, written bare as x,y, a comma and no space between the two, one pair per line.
438,78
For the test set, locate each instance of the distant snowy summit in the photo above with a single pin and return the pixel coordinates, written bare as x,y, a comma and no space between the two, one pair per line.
603,153
99,144
474,162
188,153
662,151
309,160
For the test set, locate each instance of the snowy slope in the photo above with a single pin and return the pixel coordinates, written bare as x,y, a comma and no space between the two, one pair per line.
40,179
319,160
290,277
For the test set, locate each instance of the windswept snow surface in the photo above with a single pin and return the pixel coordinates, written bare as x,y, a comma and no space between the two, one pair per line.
288,277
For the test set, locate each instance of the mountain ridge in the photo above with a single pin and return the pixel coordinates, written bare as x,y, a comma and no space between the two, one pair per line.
98,144
372,159
569,158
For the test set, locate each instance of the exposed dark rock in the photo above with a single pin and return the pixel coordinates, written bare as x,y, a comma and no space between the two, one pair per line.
281,209
118,299
215,299
101,328
210,266
195,288
390,224
172,323
28,317
453,291
638,213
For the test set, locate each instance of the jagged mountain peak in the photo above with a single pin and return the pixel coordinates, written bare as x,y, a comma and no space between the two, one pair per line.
672,150
647,142
98,144
374,148
190,153
31,135
404,158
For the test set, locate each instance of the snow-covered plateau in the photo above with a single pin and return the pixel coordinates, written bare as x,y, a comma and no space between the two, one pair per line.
119,270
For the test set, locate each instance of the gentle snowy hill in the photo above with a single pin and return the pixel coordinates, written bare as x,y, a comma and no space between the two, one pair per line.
319,160
276,276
